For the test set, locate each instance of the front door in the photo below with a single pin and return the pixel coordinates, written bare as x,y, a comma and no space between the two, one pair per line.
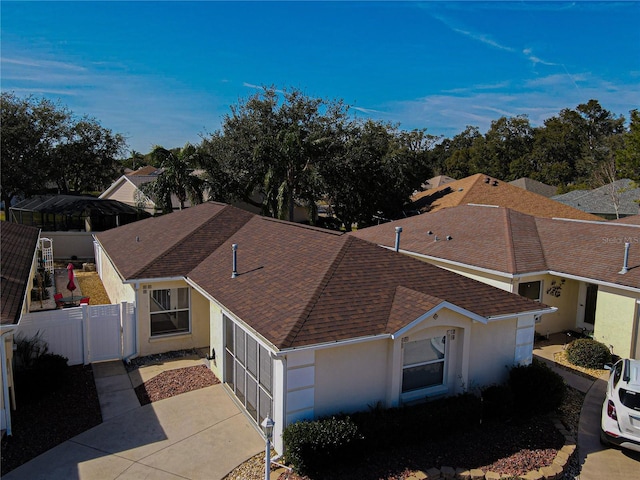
588,299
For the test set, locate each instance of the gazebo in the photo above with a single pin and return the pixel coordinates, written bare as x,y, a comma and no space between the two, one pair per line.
74,213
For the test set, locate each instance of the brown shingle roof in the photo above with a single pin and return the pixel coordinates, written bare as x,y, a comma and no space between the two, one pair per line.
18,247
170,245
630,220
503,240
475,189
299,285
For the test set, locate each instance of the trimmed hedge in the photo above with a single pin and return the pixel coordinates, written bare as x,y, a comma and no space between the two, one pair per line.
588,353
312,445
536,389
497,402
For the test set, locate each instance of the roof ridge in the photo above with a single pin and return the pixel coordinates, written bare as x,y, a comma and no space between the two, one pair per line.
290,338
189,234
540,242
511,252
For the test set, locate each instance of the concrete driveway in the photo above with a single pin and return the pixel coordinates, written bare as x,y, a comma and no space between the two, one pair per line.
197,435
597,461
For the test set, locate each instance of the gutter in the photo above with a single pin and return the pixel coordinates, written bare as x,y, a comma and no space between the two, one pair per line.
542,311
322,346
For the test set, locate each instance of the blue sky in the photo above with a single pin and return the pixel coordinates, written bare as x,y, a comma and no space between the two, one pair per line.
163,73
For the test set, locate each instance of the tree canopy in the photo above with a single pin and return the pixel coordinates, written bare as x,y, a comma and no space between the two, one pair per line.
44,147
279,149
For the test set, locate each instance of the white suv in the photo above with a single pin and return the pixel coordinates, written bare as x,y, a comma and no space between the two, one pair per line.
620,423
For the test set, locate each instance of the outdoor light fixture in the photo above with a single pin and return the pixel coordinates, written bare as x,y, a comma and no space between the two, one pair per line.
267,427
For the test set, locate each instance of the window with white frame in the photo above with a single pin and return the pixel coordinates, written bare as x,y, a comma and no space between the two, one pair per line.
169,311
248,371
423,363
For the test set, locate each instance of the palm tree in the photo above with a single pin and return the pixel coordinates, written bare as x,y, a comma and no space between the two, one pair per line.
177,178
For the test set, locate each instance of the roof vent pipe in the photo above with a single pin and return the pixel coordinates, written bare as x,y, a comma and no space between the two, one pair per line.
398,232
625,265
234,248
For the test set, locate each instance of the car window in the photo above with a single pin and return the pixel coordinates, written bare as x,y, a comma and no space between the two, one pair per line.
617,373
630,399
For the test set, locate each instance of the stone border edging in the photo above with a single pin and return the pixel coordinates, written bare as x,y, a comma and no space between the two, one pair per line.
555,471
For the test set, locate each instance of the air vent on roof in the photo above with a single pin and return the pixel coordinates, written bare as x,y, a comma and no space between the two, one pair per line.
449,237
487,180
495,183
398,232
625,265
234,249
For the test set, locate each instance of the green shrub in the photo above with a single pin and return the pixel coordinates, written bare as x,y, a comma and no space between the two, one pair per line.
536,389
408,425
37,371
497,402
588,353
29,349
311,446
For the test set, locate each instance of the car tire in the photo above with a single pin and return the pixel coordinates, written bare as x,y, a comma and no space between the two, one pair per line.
603,439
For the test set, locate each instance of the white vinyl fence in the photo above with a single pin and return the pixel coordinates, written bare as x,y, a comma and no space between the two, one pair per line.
84,334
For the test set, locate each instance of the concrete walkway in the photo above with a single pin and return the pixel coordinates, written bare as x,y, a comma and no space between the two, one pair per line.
196,435
597,462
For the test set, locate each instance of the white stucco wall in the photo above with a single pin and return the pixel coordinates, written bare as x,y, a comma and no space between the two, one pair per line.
352,377
492,352
216,340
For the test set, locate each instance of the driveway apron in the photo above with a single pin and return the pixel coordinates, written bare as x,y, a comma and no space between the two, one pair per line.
197,435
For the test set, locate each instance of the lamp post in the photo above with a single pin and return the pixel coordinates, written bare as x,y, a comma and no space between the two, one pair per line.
267,426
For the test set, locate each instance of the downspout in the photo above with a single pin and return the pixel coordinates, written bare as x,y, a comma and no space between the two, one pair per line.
5,383
136,287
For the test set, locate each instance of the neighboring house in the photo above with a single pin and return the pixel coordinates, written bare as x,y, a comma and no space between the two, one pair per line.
18,258
484,190
617,199
535,186
127,190
576,266
302,322
437,181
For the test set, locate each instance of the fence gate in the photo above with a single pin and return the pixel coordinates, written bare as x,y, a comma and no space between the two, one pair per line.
84,334
103,333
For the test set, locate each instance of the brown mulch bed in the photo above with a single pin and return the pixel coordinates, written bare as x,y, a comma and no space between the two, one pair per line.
47,420
175,382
